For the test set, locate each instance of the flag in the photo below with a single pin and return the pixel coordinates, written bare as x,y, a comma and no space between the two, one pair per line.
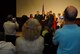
43,8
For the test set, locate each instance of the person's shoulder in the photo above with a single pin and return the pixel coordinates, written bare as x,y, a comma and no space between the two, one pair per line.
6,43
78,28
41,38
5,22
60,29
19,39
9,45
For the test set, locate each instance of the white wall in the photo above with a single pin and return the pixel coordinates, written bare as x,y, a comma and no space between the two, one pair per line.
31,6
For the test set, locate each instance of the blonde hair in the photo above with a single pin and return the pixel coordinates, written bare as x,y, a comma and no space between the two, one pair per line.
31,29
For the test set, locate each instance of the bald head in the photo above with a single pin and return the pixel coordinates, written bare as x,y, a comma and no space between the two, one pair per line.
70,13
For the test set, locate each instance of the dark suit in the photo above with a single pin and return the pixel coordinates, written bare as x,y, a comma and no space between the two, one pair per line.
37,16
51,19
43,18
42,22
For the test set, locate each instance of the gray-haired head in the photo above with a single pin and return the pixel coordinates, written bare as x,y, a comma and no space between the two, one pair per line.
31,29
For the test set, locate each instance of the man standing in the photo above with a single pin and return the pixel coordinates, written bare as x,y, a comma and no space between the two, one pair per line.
51,19
10,29
68,37
37,16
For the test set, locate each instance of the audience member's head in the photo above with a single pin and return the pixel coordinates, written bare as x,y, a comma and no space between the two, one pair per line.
47,13
54,14
59,14
31,16
70,13
24,19
9,17
24,16
31,29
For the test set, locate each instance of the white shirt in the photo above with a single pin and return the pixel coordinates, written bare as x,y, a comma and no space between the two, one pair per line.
30,47
10,28
7,48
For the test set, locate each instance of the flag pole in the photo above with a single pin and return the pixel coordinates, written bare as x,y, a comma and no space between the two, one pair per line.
43,7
